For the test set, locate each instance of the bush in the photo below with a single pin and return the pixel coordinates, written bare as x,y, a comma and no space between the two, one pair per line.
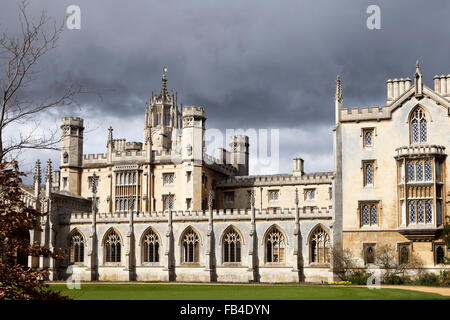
394,279
428,279
444,278
359,277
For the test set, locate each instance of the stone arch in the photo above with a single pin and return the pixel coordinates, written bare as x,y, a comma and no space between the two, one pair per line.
228,229
319,245
190,242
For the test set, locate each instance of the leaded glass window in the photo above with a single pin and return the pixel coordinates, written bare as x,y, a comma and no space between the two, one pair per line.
428,170
420,212
232,246
369,174
76,248
429,212
191,243
320,246
412,212
418,126
419,171
365,215
373,215
168,202
112,247
151,247
368,138
411,174
275,245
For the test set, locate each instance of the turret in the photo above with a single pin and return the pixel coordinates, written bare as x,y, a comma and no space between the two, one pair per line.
298,167
239,154
71,154
193,138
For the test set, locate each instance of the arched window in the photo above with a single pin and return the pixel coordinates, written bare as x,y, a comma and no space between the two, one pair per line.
191,244
76,248
320,246
112,247
418,126
369,174
275,245
231,246
150,244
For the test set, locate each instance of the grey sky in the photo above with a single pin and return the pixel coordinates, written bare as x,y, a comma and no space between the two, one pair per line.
250,63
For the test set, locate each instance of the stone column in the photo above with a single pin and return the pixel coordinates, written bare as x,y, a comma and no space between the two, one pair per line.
169,247
210,241
253,252
298,256
130,256
93,242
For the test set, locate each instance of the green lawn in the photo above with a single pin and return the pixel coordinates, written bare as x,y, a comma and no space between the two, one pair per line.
154,291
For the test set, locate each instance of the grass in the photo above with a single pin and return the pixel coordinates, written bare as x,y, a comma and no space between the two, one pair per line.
151,291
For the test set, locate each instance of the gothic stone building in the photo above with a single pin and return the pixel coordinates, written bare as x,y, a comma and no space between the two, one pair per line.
164,210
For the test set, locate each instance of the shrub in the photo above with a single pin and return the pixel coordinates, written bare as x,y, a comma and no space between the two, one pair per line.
444,278
359,277
428,279
394,279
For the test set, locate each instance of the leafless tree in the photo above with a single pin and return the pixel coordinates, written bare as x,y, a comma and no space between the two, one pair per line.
19,57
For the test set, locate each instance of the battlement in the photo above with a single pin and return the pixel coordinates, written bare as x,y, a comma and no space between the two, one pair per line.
72,121
133,146
198,112
219,165
278,179
364,113
428,150
93,157
305,213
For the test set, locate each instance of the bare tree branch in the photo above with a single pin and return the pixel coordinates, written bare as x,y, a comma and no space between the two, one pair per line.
19,58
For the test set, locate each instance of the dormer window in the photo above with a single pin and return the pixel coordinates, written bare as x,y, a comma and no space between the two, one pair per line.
418,126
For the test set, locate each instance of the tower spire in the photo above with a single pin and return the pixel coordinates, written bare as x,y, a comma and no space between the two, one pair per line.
338,95
164,83
418,80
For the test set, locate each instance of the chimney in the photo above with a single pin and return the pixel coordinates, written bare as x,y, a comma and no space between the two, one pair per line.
298,167
396,87
442,85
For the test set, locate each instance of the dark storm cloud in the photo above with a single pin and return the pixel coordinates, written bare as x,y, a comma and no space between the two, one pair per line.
251,64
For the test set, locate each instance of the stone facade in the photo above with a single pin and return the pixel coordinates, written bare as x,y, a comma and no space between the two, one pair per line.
164,210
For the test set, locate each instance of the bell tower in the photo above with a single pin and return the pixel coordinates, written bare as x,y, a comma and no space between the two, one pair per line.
163,117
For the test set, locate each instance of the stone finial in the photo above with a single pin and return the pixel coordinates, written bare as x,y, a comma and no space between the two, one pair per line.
338,95
252,198
48,176
210,199
110,136
37,172
164,83
418,80
94,184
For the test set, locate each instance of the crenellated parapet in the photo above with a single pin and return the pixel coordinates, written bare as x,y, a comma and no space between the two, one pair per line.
277,179
306,212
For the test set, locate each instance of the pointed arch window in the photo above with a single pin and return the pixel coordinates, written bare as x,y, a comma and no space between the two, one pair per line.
150,244
418,126
275,246
76,248
232,246
112,247
191,244
320,246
